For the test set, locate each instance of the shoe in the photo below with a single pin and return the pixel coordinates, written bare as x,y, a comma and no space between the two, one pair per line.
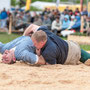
87,62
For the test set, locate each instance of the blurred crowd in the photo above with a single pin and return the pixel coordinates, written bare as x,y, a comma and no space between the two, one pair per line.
64,23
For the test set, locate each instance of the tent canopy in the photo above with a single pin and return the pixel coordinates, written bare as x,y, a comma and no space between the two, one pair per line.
5,4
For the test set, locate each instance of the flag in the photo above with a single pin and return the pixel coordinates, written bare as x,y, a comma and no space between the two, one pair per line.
57,3
28,2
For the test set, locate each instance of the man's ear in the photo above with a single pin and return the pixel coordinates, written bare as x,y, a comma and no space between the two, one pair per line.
42,42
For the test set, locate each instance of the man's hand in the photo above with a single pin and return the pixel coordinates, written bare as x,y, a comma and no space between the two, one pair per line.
8,57
38,52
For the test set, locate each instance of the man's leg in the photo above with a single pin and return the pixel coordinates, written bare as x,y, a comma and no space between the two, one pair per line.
84,56
11,44
1,46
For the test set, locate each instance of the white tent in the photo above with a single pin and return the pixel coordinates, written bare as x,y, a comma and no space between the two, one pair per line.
5,4
41,5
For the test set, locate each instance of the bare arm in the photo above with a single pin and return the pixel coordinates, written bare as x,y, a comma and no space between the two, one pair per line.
41,60
31,29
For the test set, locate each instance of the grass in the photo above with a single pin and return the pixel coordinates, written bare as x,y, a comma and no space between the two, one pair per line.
54,0
85,47
79,34
34,9
4,38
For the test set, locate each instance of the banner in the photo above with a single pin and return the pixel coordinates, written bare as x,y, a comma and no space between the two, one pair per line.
28,2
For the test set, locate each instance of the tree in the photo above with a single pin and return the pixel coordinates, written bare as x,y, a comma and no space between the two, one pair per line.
13,2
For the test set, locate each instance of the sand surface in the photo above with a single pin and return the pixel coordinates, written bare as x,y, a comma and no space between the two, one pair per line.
21,76
85,40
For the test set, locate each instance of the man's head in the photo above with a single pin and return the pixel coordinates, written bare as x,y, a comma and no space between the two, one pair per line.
39,39
8,57
45,17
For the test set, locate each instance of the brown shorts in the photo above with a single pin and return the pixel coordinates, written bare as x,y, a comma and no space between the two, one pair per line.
74,53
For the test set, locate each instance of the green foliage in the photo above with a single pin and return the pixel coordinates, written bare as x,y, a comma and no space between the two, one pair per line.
64,38
43,0
79,34
85,47
34,9
4,37
13,2
78,1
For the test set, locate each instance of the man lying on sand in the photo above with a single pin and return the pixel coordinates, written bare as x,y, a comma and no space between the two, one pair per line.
20,48
54,49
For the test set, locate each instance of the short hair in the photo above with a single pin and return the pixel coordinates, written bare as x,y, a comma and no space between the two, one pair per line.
57,17
39,36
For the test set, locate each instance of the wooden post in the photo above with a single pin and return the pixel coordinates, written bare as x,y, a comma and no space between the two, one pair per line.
82,21
10,24
81,2
82,24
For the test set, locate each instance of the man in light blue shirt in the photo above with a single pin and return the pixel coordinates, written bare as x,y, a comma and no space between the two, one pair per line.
20,48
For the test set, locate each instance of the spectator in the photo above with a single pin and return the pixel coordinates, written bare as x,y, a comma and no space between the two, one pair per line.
84,12
37,21
68,31
3,18
77,11
63,15
8,12
56,25
65,22
27,16
86,23
56,12
45,11
33,17
77,24
52,16
47,21
67,9
70,12
72,22
48,11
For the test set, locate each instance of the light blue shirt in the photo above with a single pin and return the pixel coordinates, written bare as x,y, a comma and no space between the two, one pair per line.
24,49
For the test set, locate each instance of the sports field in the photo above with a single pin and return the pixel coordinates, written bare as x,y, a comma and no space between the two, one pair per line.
21,76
